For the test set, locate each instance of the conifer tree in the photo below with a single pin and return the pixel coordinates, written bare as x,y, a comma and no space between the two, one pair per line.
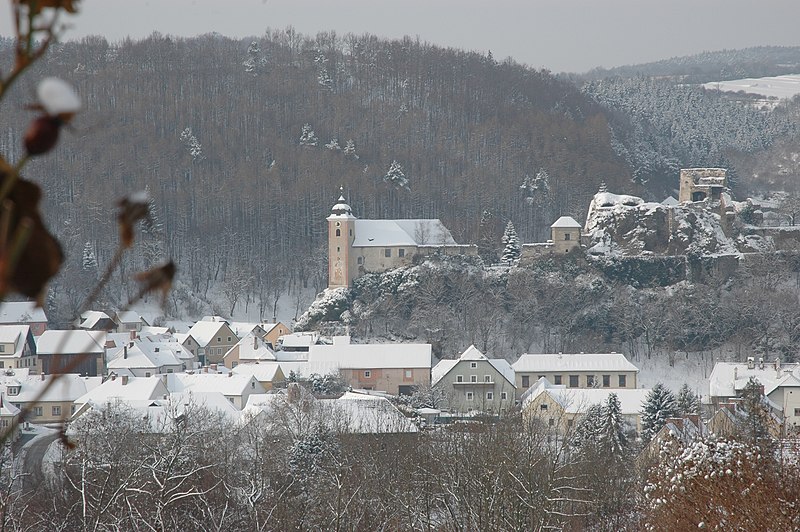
487,238
89,258
395,176
588,429
658,406
511,250
350,149
307,136
254,62
611,437
687,401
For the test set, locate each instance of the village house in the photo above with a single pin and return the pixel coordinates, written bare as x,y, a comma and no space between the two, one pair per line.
49,403
359,246
299,342
142,359
580,370
24,313
565,236
9,419
682,431
235,388
268,374
211,338
560,407
95,320
396,369
475,383
78,351
129,320
17,347
251,348
269,332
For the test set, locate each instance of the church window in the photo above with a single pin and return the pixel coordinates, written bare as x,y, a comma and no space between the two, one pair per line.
387,252
337,249
338,232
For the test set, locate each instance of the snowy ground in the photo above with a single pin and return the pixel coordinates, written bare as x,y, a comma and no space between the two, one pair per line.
770,87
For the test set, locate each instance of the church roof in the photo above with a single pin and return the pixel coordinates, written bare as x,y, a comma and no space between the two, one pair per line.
341,209
415,232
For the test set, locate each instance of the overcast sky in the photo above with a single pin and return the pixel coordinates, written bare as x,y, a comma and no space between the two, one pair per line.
560,35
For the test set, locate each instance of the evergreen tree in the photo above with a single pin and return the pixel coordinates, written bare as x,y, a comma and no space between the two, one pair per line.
395,176
254,62
511,250
754,425
89,258
487,238
611,437
333,145
586,434
151,224
192,144
659,405
687,402
307,136
350,149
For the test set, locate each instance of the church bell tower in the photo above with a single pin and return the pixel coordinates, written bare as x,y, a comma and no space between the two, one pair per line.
341,228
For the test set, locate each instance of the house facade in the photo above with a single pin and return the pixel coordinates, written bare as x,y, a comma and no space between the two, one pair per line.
211,338
17,347
581,370
475,383
358,246
78,351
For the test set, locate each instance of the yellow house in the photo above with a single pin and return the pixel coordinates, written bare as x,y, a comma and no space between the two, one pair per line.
213,338
268,374
250,349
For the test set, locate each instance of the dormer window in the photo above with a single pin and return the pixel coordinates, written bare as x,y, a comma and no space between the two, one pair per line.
13,390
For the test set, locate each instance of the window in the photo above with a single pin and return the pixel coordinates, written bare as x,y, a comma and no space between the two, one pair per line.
797,412
567,236
401,252
360,260
253,385
37,411
147,374
219,338
551,422
387,252
338,249
229,338
409,374
234,364
569,422
556,379
351,232
573,381
606,381
590,381
543,406
1,364
230,399
13,390
526,381
623,382
367,374
470,396
489,396
487,378
459,378
473,378
72,409
56,410
2,348
473,365
503,396
338,232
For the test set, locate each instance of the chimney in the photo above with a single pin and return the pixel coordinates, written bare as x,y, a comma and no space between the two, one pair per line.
133,336
124,380
113,376
155,350
778,366
255,342
205,369
214,368
761,363
230,374
43,377
125,352
751,363
735,372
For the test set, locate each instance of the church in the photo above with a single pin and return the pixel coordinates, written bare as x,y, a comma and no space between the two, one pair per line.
356,247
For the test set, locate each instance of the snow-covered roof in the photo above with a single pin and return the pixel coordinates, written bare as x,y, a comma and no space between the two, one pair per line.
304,368
149,329
573,362
341,210
91,318
252,347
566,222
578,400
670,201
472,353
204,331
142,355
70,342
383,233
356,413
242,328
21,312
358,356
729,378
227,384
67,387
298,339
16,335
262,371
125,389
128,316
7,408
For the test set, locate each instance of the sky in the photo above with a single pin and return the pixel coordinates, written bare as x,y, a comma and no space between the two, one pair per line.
559,35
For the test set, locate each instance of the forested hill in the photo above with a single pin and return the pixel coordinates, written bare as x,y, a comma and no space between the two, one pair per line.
215,129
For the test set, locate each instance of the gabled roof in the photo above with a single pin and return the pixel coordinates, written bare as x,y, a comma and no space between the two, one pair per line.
299,339
578,400
729,378
369,356
129,316
76,342
252,347
66,388
243,328
262,371
142,355
382,233
205,331
573,362
16,335
472,354
130,389
91,318
356,413
227,384
566,222
21,312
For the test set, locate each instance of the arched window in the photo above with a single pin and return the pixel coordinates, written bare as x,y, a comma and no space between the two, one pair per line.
338,232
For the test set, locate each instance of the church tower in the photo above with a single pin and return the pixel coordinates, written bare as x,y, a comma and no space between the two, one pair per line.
341,233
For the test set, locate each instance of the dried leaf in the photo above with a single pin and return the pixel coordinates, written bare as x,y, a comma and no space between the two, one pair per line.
131,209
158,279
42,135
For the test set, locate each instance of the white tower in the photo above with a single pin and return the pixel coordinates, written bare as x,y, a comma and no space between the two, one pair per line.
341,229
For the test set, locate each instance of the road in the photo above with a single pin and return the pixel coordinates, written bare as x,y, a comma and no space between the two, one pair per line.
33,458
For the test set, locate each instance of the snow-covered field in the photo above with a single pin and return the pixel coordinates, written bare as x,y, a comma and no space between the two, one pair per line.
770,87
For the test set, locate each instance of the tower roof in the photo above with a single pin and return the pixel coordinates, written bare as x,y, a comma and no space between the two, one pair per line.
341,209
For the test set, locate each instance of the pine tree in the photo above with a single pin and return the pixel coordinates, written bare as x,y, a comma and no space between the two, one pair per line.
192,144
688,402
333,145
395,176
151,224
487,238
658,406
307,136
350,149
511,250
89,258
254,62
753,427
612,439
587,431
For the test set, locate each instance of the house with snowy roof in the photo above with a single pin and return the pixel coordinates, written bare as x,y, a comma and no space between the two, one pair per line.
78,351
24,313
235,388
475,383
579,370
565,236
781,384
268,374
124,389
359,246
9,419
559,407
128,320
251,348
142,359
17,347
395,368
48,402
96,320
210,339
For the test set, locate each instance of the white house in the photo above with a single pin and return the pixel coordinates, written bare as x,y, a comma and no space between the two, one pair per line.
17,347
576,370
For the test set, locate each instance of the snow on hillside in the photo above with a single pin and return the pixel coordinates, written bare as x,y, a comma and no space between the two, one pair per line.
780,87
